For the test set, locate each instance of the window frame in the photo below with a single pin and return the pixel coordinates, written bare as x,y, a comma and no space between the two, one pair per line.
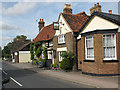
51,43
62,38
115,47
86,48
60,57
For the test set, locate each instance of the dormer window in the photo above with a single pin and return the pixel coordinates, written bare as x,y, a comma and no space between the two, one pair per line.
61,39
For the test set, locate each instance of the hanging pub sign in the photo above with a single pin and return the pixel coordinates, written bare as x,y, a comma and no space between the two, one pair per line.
55,25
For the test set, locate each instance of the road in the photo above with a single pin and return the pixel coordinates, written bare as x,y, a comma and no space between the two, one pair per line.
24,78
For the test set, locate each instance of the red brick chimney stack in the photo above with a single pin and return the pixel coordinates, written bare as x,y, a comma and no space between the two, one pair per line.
67,9
110,11
41,24
96,8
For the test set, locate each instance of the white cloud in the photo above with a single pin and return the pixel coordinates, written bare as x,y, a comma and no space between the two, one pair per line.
19,8
6,26
6,38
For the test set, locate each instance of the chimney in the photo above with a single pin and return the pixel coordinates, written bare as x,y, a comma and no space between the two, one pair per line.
67,9
41,24
110,11
96,8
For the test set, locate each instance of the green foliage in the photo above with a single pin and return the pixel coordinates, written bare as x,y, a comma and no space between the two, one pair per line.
19,37
31,52
38,52
0,52
51,65
35,62
31,48
60,65
42,60
55,65
45,52
6,52
32,57
67,62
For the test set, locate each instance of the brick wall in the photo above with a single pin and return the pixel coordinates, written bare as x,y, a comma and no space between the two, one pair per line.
118,49
98,67
68,43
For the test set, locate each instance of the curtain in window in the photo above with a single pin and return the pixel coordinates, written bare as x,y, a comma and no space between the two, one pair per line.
90,47
109,46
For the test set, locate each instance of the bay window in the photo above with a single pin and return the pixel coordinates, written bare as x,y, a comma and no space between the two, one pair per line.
109,46
89,47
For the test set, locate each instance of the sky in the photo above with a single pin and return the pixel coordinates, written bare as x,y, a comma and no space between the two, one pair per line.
21,17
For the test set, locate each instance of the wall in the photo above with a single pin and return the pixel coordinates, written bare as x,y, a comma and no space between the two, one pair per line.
68,46
98,23
98,67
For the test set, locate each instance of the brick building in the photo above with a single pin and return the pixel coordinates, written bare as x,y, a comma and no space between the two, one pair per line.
99,45
65,39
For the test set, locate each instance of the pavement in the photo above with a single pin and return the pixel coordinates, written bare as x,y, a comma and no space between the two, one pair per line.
76,77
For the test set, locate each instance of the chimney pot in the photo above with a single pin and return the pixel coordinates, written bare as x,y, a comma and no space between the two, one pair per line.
41,24
67,9
110,11
94,4
97,3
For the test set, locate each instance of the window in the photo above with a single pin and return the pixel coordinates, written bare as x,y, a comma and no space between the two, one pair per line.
61,39
51,43
60,58
109,46
89,47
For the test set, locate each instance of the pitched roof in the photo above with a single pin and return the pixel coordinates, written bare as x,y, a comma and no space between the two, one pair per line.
45,34
25,47
111,17
17,44
75,21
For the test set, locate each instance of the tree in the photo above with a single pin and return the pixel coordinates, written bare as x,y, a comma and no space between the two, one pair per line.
6,52
0,52
21,37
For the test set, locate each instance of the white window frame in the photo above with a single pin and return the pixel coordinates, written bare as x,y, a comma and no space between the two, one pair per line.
60,57
61,41
115,48
50,43
86,48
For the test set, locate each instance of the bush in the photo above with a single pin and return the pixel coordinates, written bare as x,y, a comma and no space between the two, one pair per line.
38,52
42,60
32,56
55,65
35,62
67,62
51,65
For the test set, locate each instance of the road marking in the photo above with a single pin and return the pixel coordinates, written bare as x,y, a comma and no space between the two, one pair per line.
4,72
16,81
0,68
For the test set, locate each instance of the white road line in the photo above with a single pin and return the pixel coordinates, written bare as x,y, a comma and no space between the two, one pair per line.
13,79
4,72
16,81
0,68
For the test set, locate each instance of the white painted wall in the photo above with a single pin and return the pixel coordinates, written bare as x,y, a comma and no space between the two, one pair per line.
99,23
65,28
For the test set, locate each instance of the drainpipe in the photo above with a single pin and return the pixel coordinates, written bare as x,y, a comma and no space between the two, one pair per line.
76,51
